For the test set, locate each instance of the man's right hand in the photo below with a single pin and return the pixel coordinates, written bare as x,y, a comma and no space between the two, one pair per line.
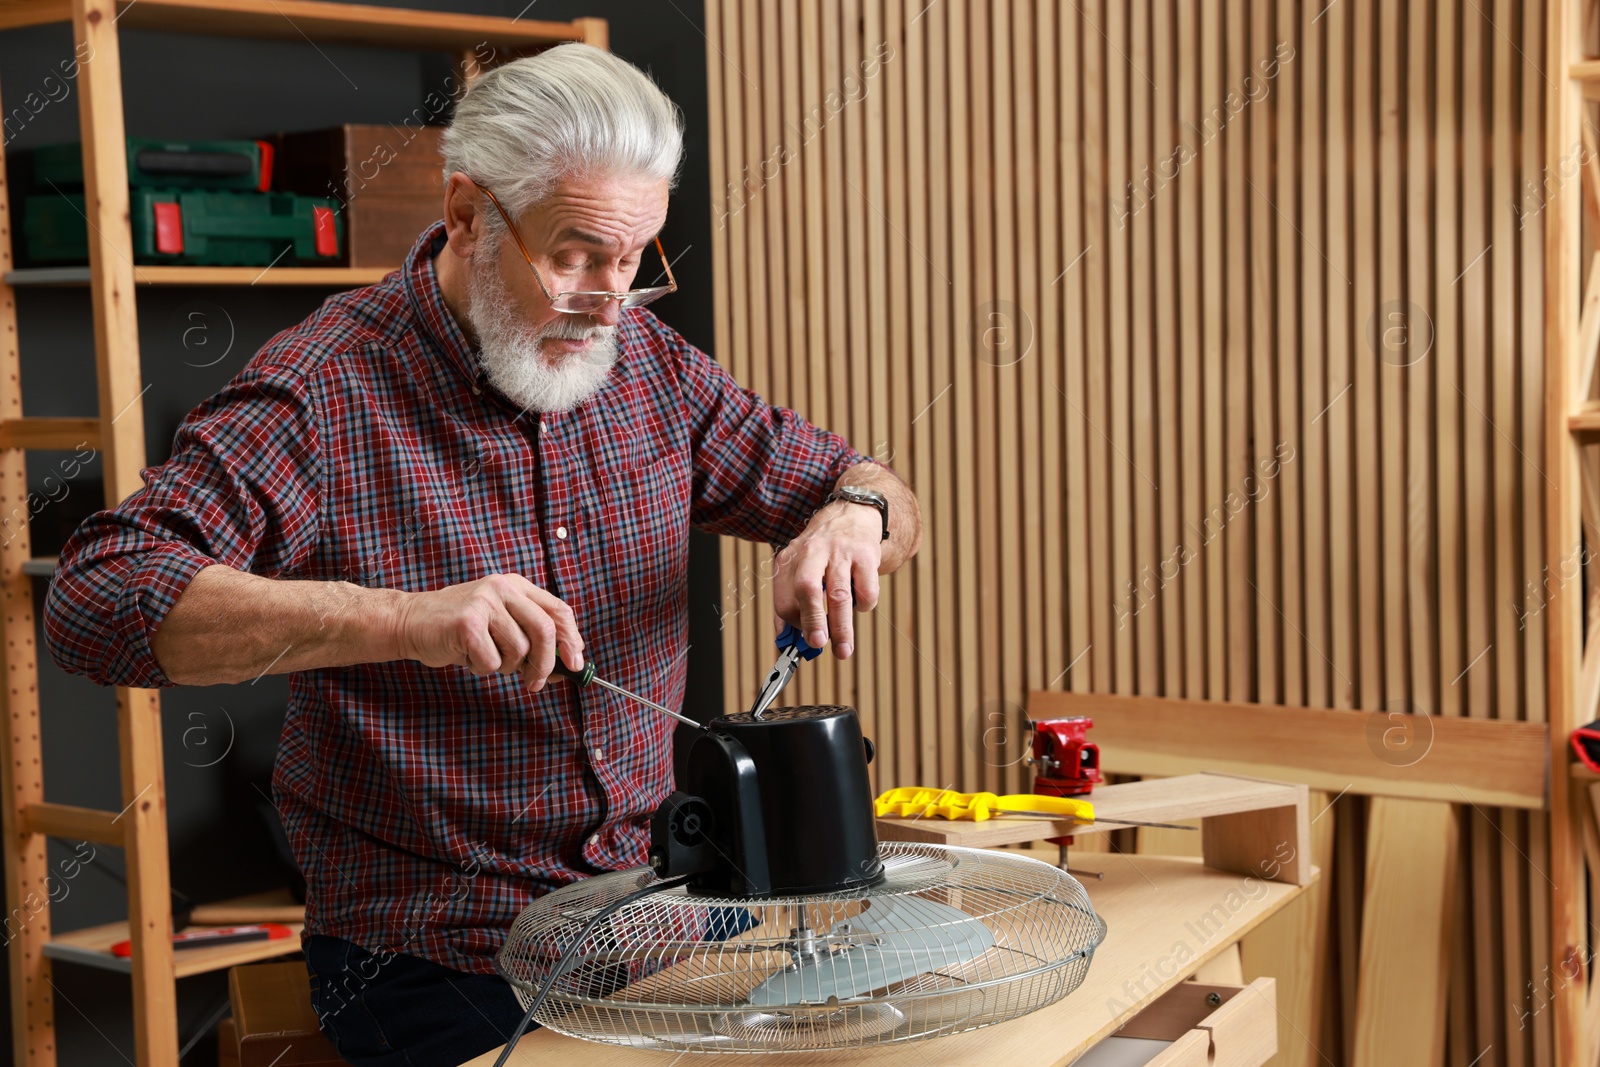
502,624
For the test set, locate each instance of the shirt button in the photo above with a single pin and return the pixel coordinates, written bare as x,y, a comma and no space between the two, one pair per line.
599,754
594,839
476,391
561,532
543,425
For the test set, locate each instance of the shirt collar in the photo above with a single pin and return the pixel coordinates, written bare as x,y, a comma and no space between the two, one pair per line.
422,289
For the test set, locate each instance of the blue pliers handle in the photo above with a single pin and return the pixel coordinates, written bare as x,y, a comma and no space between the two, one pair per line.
793,638
792,648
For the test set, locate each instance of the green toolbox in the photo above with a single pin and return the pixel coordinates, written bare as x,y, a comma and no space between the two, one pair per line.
194,227
240,166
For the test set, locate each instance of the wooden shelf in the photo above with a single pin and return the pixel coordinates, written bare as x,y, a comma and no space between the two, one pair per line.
308,20
332,277
91,946
1586,420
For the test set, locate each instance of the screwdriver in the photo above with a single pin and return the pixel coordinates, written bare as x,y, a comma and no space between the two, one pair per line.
585,674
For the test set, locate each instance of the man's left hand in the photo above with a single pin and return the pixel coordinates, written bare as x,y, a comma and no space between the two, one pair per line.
830,571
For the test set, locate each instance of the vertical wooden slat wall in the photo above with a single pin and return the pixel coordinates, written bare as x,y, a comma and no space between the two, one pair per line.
1208,333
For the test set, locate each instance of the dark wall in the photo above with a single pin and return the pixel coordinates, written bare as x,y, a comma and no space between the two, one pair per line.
220,740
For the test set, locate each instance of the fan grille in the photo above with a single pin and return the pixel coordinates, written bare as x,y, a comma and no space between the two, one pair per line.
951,940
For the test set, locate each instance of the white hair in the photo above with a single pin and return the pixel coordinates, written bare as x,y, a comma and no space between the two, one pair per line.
573,110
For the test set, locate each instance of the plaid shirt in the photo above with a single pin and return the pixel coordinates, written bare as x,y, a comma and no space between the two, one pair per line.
428,806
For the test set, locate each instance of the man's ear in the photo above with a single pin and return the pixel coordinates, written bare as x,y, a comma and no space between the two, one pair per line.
463,222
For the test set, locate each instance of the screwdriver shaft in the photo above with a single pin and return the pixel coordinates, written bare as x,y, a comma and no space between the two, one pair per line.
647,703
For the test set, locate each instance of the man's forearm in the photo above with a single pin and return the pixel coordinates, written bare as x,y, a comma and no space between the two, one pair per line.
229,626
905,516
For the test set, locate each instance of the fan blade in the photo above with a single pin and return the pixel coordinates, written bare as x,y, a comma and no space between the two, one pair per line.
910,935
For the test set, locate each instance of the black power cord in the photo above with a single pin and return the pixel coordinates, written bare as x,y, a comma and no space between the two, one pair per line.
565,960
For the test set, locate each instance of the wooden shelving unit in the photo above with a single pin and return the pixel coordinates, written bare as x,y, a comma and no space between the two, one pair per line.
333,277
1572,423
118,435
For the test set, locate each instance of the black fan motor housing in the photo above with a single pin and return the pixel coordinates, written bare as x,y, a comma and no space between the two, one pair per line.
779,805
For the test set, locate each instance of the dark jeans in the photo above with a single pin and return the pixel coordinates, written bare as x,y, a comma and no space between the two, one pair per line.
394,1010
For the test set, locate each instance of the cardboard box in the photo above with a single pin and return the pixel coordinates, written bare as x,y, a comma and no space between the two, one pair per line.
388,179
273,1019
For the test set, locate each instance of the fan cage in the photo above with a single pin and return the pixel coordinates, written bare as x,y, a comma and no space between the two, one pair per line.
953,939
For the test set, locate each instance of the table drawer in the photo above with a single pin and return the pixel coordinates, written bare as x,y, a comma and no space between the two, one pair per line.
1211,1025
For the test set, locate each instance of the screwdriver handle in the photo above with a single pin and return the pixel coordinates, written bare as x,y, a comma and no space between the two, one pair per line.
581,677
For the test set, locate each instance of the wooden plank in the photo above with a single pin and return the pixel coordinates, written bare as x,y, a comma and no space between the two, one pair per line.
1449,543
1364,358
1291,948
1256,842
938,415
1213,281
1071,281
1405,937
27,864
1531,360
965,145
1277,452
1168,427
721,311
1021,391
877,673
1251,826
1121,468
358,24
591,31
50,434
1241,599
1415,378
1508,507
1098,200
1147,598
1477,476
1564,624
1054,69
1375,753
934,704
122,455
1391,367
1189,354
1267,601
1338,412
73,823
834,154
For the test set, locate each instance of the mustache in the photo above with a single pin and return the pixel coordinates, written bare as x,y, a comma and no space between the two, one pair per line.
568,328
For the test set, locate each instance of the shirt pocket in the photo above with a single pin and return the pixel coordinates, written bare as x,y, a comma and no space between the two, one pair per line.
644,523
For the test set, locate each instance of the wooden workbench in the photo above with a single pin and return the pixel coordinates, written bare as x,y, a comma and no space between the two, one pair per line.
1165,918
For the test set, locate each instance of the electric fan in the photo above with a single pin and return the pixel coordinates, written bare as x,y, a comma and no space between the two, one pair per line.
770,920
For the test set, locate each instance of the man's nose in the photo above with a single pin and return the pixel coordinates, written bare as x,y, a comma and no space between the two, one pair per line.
609,315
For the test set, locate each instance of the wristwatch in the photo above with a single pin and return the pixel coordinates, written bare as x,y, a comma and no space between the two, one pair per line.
870,497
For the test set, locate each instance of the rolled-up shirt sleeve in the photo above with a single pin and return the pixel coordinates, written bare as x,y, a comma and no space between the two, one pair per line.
760,471
239,490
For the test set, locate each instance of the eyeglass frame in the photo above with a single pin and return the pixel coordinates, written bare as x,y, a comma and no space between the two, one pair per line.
655,292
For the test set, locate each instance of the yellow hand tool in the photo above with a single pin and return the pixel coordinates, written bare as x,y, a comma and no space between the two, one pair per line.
917,802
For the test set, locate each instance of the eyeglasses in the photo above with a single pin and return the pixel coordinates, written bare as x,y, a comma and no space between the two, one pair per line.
576,302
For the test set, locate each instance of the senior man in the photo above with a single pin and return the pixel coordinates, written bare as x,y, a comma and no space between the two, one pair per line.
418,498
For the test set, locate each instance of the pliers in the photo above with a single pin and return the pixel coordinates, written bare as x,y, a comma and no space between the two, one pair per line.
792,648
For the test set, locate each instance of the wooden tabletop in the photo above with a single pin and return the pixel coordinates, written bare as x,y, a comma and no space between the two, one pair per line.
1165,917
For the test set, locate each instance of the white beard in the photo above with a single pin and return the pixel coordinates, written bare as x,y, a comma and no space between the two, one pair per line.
512,356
